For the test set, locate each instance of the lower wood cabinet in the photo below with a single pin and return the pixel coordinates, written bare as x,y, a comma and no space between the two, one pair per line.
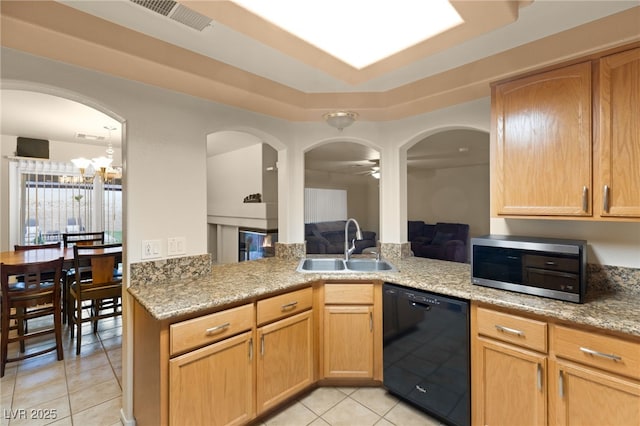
595,379
284,359
530,371
586,396
348,341
213,385
508,378
352,331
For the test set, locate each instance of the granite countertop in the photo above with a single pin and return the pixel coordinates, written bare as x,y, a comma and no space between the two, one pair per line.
609,308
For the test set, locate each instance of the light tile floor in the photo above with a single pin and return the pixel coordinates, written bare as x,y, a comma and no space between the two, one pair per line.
86,390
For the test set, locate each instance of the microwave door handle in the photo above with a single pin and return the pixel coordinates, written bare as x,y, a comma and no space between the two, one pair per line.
553,273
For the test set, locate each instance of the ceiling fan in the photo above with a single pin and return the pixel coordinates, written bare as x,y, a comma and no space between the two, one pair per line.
373,168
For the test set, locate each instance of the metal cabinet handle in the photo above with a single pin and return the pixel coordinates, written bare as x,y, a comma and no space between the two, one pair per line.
217,329
370,321
585,200
561,384
288,306
262,345
612,357
605,198
509,330
539,377
251,349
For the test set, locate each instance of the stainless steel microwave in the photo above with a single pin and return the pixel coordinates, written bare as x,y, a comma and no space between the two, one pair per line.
548,267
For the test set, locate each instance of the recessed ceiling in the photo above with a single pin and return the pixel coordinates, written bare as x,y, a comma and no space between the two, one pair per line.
247,62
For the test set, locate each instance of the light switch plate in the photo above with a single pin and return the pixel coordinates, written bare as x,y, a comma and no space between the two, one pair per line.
176,246
151,249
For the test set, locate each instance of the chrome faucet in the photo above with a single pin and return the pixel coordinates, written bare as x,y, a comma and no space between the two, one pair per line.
347,250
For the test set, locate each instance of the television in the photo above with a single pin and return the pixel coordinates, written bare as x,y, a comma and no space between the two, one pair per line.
29,147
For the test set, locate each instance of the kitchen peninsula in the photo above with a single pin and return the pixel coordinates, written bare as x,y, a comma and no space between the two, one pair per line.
238,291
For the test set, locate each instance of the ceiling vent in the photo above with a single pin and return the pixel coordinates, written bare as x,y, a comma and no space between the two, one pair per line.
90,137
177,12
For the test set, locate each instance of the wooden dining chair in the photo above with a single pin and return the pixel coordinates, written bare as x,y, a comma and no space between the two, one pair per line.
19,247
27,298
46,276
96,292
70,239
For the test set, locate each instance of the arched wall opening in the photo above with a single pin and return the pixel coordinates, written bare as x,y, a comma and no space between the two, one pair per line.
341,180
242,194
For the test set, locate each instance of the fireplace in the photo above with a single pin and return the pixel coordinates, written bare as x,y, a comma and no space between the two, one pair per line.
256,243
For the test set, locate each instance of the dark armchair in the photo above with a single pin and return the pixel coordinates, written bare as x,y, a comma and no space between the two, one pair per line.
445,241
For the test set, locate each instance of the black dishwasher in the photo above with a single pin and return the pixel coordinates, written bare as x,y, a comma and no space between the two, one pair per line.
426,352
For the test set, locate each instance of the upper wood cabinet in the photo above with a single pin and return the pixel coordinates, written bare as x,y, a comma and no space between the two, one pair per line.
617,184
566,142
542,143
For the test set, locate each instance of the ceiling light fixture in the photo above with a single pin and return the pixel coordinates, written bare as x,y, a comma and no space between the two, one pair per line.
340,119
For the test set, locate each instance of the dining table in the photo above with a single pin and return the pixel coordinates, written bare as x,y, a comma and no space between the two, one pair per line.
18,257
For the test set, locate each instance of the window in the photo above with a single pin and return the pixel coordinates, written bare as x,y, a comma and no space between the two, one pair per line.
50,198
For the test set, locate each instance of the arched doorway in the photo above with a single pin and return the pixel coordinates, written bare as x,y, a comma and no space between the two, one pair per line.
448,180
242,196
348,173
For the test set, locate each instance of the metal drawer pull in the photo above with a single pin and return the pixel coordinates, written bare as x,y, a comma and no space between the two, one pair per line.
217,329
561,384
539,377
605,197
585,200
288,306
612,357
251,349
509,330
262,345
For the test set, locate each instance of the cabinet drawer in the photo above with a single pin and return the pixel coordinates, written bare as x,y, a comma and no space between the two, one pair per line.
514,329
284,305
196,332
336,294
605,352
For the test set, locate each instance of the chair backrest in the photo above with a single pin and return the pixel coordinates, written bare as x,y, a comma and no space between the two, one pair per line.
102,261
82,238
18,247
31,288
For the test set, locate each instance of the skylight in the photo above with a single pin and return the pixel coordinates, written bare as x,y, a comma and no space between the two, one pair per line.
358,32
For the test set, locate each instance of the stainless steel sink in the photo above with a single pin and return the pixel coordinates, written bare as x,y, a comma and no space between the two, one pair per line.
339,265
367,265
321,265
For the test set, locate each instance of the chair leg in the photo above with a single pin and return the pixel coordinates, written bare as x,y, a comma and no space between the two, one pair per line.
78,326
57,324
4,340
21,323
95,311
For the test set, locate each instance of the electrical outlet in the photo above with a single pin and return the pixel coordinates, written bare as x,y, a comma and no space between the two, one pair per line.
175,246
151,249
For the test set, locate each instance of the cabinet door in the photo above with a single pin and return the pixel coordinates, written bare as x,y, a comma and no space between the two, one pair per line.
348,341
542,148
584,396
285,359
619,135
511,385
213,385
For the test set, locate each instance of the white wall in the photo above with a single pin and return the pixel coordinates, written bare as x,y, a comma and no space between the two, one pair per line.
457,195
